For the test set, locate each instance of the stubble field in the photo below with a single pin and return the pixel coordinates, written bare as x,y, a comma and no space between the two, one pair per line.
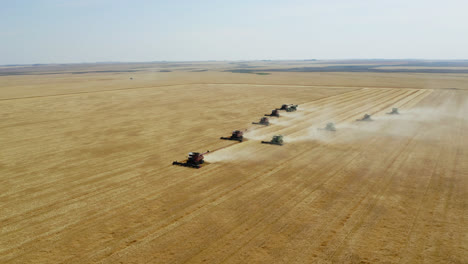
86,174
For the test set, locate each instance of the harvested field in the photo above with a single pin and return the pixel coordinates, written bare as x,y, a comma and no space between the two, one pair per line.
86,174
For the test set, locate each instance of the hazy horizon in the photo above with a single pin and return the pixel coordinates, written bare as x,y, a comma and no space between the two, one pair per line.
87,31
240,61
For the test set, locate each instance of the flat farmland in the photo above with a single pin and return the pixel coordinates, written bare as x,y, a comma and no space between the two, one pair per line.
86,174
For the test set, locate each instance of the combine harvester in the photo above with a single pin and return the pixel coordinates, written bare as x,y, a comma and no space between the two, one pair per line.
195,160
263,121
329,127
276,140
274,113
288,108
237,135
366,117
394,112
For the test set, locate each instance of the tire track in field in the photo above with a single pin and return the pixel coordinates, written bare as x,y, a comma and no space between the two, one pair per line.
304,121
306,116
361,215
354,162
61,150
350,115
256,247
372,202
225,198
328,172
67,161
315,239
49,134
81,182
176,219
421,94
347,115
440,170
401,97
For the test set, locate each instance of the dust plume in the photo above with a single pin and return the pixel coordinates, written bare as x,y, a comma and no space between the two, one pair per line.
427,120
237,154
287,119
255,134
311,134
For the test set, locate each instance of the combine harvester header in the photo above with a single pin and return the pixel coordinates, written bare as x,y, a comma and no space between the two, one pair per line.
276,140
274,113
237,135
263,121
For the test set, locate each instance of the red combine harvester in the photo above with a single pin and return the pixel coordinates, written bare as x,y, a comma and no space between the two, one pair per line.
237,135
263,121
274,113
195,160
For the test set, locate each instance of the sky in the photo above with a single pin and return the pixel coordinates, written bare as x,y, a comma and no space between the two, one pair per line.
74,31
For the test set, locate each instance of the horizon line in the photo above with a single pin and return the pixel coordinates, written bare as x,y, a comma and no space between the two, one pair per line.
240,60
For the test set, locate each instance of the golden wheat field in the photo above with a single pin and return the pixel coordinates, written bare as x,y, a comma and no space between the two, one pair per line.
86,172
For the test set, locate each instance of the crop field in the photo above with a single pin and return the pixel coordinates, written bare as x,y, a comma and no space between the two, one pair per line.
86,172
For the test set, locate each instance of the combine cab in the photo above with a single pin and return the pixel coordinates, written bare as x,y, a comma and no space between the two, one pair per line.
329,127
237,135
394,112
263,121
276,140
274,113
366,117
195,160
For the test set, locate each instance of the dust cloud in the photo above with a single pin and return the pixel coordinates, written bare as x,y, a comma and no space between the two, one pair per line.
239,154
311,134
409,122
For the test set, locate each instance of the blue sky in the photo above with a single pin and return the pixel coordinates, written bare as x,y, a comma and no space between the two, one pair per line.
61,31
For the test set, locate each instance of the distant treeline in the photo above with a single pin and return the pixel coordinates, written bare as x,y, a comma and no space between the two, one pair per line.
356,68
